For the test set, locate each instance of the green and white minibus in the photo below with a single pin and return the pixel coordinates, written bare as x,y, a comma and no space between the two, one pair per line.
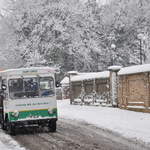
28,98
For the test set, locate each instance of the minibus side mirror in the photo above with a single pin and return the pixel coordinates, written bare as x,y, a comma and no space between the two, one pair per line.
57,84
3,87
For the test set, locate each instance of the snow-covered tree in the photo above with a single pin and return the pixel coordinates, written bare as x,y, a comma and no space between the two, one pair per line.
75,35
61,32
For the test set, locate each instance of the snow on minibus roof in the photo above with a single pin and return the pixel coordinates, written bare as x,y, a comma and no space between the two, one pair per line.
20,70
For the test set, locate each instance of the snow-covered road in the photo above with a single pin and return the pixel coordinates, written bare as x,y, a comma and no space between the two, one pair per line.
8,143
75,130
75,135
133,125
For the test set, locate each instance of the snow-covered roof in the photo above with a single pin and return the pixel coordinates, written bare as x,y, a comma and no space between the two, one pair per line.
90,76
135,69
65,80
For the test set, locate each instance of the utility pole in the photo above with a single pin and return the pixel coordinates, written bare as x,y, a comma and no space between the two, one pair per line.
141,38
113,48
140,51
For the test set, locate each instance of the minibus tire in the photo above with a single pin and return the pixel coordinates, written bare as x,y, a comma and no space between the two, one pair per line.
3,125
10,128
52,126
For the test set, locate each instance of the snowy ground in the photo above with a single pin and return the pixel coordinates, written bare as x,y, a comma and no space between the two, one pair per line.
8,143
133,125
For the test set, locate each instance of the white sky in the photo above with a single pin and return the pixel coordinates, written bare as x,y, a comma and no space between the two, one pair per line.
1,3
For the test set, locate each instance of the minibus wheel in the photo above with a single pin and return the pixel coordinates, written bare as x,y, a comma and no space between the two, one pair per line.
4,125
10,128
52,126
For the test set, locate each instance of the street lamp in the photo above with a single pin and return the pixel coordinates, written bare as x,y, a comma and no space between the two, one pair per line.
113,47
141,38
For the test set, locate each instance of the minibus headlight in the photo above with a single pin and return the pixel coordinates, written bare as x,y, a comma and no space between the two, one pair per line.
15,113
54,110
50,111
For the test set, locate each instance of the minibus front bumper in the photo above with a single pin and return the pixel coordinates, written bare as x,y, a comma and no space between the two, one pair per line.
32,122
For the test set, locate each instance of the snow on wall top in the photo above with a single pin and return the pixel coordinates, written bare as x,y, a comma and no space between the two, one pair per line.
72,72
135,69
90,76
65,80
114,68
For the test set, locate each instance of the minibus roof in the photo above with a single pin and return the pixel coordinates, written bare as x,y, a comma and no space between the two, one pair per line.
29,71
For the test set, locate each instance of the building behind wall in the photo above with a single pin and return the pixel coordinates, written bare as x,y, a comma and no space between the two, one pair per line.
134,88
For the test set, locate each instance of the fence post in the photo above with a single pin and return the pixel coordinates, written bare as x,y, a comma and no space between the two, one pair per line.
114,84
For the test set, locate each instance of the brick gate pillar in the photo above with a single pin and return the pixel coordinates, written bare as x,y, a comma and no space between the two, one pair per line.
70,75
114,84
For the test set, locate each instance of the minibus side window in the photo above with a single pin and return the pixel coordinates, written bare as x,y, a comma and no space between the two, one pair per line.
46,86
5,94
4,82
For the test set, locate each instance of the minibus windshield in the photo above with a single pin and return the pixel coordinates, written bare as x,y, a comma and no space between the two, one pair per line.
31,87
